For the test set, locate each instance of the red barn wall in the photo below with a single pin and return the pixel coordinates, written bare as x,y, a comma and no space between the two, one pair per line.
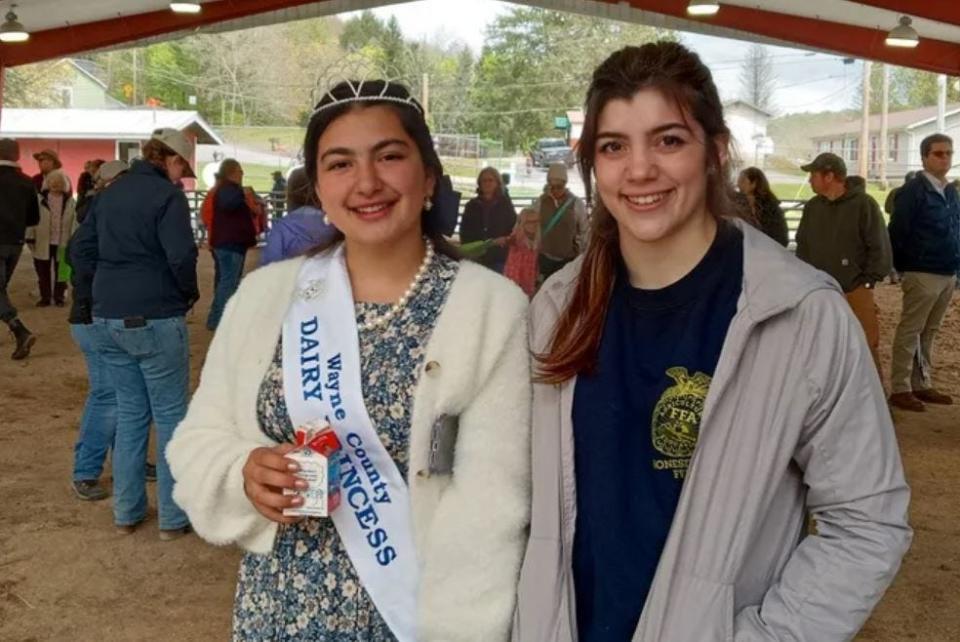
73,154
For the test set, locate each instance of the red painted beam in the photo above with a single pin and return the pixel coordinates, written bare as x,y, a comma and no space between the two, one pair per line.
931,55
947,11
64,41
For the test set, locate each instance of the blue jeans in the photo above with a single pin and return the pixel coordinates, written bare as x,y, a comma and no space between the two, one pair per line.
150,368
98,424
229,269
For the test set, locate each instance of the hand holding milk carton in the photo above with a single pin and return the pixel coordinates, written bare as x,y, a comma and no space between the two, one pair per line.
317,454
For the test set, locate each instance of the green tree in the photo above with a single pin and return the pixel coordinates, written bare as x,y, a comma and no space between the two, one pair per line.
536,65
36,85
909,89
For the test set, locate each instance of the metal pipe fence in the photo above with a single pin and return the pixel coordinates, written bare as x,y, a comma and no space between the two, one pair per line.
793,209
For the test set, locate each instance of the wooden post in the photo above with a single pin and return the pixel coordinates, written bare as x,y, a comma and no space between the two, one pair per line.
942,103
863,166
3,81
425,97
884,136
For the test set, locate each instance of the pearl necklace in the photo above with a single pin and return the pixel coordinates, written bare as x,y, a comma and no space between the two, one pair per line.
375,322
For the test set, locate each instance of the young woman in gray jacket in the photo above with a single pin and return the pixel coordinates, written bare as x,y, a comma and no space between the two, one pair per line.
699,393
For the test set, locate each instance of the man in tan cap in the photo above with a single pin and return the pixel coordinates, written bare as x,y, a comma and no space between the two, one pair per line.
842,232
563,222
47,160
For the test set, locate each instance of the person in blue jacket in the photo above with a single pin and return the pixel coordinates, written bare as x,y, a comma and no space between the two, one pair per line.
925,238
303,228
136,243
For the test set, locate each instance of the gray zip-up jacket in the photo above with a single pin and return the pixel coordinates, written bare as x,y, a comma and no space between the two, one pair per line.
795,421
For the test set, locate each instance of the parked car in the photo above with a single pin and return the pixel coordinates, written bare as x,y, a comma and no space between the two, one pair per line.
551,150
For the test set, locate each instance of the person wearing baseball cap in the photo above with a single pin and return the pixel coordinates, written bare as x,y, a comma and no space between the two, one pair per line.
137,246
48,160
842,232
563,221
173,140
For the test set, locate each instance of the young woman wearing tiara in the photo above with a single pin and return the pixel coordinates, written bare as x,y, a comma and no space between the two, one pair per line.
420,363
700,393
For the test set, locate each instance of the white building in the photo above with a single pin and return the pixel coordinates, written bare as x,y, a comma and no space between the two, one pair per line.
747,123
905,130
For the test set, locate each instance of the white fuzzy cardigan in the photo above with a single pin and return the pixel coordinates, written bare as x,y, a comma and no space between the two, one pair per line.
469,527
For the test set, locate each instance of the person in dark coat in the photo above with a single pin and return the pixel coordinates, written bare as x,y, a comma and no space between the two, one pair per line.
19,209
234,234
763,206
137,245
278,193
489,216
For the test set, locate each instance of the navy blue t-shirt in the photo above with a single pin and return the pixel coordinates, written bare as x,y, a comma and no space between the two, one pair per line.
636,421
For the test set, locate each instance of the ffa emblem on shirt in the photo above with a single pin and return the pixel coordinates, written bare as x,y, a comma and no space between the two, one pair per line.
676,417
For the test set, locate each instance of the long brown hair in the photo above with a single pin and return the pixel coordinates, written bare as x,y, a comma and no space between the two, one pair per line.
681,76
761,186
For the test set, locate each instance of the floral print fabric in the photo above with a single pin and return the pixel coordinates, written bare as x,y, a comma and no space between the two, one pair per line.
307,588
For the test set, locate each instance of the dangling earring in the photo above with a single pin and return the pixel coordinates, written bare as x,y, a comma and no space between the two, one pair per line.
326,219
427,204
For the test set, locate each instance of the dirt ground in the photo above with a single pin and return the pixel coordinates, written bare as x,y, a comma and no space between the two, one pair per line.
66,575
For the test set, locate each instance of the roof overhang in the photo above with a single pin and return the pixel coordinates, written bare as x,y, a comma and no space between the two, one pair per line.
103,124
927,121
849,28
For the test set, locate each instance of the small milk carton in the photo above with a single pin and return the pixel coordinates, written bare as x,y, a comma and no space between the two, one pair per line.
317,455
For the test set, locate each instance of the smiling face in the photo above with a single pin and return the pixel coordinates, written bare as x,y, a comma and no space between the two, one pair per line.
650,167
371,177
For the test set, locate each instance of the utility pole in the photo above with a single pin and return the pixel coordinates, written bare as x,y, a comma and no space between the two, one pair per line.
884,142
425,97
3,81
133,97
942,103
864,162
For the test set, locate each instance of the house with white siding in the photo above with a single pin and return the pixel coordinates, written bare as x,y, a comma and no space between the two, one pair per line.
747,123
905,130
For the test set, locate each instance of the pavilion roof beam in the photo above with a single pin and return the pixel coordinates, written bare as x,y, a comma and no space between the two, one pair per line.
947,11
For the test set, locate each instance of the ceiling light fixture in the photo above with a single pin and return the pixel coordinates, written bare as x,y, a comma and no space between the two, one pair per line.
185,7
11,30
703,7
903,35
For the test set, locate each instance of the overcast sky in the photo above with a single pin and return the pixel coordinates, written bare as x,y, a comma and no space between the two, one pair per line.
805,81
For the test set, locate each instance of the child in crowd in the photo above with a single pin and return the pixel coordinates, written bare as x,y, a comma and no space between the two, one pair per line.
523,245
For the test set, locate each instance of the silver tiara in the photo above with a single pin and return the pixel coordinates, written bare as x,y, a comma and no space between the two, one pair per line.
357,96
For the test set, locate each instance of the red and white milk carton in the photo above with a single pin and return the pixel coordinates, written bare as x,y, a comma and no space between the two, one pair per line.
317,454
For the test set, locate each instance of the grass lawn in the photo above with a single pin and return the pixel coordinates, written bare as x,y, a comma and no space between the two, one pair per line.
258,176
290,139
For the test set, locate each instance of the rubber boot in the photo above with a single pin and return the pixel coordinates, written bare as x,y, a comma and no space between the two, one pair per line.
25,340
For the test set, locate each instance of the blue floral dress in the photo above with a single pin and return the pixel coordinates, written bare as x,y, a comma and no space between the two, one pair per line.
307,588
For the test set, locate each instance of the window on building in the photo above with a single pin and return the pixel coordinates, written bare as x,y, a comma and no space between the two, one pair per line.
892,147
127,150
853,149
